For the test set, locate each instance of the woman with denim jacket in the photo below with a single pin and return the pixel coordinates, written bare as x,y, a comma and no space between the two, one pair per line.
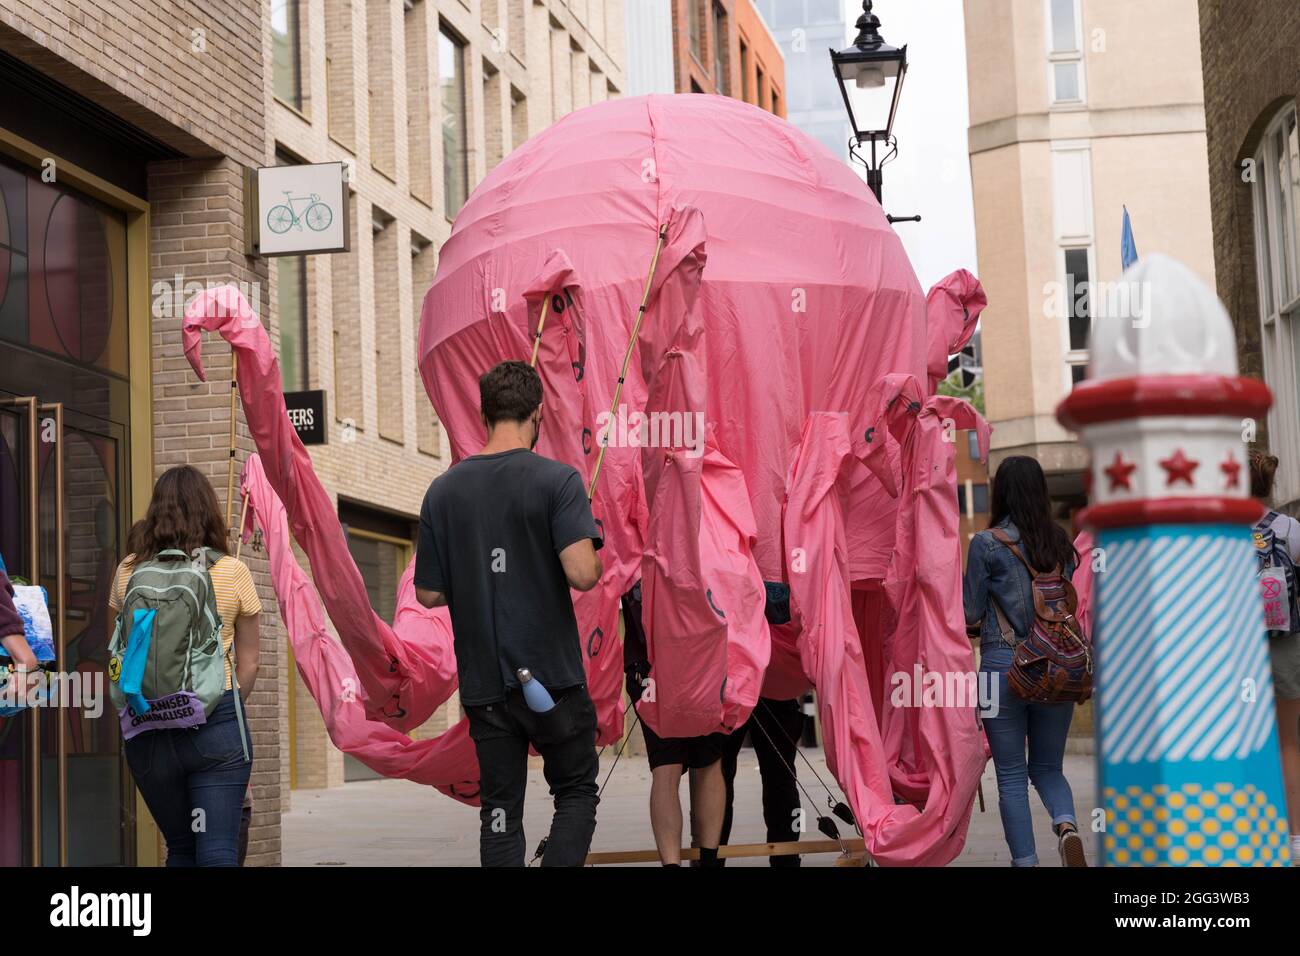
997,580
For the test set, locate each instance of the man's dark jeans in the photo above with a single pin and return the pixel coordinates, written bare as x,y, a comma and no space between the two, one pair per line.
566,738
182,771
774,728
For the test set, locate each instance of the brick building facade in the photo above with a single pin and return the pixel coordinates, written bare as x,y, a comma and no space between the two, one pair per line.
723,46
130,131
493,72
117,120
1251,65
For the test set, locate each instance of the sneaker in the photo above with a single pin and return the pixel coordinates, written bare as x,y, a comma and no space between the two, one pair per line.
1071,847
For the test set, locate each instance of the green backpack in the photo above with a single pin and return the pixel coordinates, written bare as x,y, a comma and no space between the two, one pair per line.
166,667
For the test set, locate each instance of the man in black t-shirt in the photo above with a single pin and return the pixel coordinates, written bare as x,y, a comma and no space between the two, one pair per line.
504,534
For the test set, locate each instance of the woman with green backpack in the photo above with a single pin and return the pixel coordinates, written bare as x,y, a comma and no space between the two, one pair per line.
183,659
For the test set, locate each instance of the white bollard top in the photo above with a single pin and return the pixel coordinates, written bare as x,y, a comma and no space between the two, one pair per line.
1161,319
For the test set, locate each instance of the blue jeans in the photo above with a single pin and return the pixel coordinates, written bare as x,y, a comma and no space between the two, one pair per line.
1045,727
193,781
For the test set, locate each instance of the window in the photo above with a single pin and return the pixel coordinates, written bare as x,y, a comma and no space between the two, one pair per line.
383,103
1070,292
1065,52
286,66
419,122
455,151
1277,226
720,62
340,89
746,87
388,325
972,499
776,103
518,118
693,18
973,445
493,132
1078,311
291,308
515,28
423,266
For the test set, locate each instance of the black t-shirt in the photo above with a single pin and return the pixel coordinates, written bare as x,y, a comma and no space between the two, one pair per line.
491,532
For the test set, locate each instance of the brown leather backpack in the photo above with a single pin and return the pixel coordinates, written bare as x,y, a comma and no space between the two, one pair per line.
1053,663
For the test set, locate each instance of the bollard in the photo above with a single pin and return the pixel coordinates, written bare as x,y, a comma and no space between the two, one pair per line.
1188,764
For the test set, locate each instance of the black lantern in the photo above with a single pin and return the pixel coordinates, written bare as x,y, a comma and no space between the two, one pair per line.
871,64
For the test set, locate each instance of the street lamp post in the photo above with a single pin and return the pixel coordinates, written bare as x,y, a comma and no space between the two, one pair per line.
871,63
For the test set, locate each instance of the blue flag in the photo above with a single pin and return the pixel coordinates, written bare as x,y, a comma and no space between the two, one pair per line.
1128,250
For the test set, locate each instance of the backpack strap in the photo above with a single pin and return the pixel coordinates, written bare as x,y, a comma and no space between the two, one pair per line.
1005,630
1014,548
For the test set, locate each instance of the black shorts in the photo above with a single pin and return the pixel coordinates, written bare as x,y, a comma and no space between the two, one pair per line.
693,753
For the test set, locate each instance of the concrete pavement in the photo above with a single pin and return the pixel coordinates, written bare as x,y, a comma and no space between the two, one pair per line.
397,823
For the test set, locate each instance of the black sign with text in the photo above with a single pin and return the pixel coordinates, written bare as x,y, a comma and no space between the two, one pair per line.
307,413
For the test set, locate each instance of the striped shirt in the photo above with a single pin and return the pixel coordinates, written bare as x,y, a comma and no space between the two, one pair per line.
233,586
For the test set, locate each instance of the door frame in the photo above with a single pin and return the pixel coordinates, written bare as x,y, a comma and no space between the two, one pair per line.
140,451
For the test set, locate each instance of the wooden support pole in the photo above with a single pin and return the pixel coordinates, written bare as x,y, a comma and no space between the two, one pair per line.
230,468
854,848
627,356
239,532
541,324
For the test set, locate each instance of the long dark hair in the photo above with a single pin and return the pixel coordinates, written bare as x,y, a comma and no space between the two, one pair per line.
1020,493
183,514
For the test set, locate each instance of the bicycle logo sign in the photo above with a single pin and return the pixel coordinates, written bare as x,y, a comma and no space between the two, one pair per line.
317,215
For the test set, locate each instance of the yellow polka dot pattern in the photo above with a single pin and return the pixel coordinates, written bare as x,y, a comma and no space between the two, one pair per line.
1194,825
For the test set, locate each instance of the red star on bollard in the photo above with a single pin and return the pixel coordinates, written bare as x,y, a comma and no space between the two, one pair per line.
1178,467
1120,472
1232,469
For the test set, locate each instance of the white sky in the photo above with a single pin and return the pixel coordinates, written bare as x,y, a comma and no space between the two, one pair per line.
931,174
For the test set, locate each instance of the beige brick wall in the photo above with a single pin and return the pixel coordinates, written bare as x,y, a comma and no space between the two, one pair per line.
155,65
363,306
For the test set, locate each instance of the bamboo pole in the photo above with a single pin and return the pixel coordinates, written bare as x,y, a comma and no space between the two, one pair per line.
230,467
541,323
627,356
239,532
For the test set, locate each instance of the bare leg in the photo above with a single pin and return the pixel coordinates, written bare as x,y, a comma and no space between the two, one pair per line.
1288,732
709,804
666,812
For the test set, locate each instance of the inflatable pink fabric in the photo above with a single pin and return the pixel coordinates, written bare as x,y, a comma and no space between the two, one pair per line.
447,762
952,310
1082,580
402,681
932,832
923,627
702,593
807,298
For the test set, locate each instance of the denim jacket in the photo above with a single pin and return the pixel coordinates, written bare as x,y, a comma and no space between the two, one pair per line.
993,573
